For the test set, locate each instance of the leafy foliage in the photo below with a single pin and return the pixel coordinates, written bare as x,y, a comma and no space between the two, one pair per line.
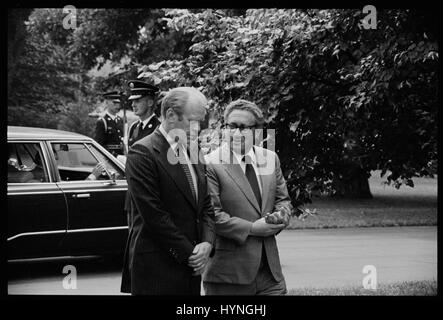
45,79
343,100
76,117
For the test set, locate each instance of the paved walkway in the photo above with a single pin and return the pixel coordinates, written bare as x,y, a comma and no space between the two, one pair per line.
310,258
336,257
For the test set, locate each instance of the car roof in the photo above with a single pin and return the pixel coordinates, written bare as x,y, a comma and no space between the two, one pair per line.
33,133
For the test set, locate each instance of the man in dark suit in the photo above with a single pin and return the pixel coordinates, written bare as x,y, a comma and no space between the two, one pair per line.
143,97
109,127
171,231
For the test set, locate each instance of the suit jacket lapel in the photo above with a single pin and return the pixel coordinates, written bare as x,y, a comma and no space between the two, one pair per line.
235,171
174,170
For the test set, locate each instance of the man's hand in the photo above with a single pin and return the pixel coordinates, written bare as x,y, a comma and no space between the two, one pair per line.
200,257
98,169
262,229
278,217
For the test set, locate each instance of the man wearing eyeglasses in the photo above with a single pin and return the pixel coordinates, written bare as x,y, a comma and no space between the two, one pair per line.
246,183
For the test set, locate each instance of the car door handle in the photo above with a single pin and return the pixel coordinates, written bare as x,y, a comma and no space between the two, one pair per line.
81,195
109,183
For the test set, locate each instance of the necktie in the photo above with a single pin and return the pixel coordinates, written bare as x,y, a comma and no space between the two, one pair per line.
138,130
135,132
185,167
252,178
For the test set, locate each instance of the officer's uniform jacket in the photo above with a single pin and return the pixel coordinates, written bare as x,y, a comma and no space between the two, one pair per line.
109,133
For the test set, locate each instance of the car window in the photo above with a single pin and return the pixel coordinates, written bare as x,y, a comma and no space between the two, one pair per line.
76,161
26,163
111,167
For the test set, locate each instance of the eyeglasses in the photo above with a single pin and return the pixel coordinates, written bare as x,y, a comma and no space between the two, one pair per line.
234,126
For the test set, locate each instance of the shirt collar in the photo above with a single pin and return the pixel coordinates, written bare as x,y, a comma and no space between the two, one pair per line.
250,153
168,138
111,116
145,122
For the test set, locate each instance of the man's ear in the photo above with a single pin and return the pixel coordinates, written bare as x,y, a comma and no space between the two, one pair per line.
151,102
171,116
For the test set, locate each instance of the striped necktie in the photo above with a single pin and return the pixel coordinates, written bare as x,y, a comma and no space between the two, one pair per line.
185,166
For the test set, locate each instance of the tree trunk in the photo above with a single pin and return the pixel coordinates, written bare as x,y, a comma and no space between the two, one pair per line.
353,184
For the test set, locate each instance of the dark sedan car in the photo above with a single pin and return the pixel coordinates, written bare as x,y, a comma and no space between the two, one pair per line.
54,209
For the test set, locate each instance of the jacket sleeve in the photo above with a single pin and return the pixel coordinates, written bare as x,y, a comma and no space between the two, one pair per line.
208,220
234,228
100,134
143,184
282,199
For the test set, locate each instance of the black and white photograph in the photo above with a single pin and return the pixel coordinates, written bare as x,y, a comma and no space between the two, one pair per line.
222,152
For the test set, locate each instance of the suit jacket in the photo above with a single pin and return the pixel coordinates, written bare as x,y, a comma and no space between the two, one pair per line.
166,222
109,133
238,254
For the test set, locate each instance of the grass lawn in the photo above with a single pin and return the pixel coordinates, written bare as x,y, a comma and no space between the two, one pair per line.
390,207
407,288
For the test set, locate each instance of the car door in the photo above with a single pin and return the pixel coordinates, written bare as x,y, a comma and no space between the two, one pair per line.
97,221
37,208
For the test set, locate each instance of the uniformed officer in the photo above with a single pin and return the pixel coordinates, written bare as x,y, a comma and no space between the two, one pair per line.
109,127
143,97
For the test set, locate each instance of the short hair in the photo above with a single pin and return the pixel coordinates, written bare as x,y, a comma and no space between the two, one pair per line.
242,104
177,98
159,98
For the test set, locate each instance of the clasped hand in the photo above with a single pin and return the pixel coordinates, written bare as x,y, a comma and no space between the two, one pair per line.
263,229
200,257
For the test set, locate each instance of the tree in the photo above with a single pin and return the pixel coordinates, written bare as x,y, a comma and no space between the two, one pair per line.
16,35
128,38
44,80
50,77
343,100
76,117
